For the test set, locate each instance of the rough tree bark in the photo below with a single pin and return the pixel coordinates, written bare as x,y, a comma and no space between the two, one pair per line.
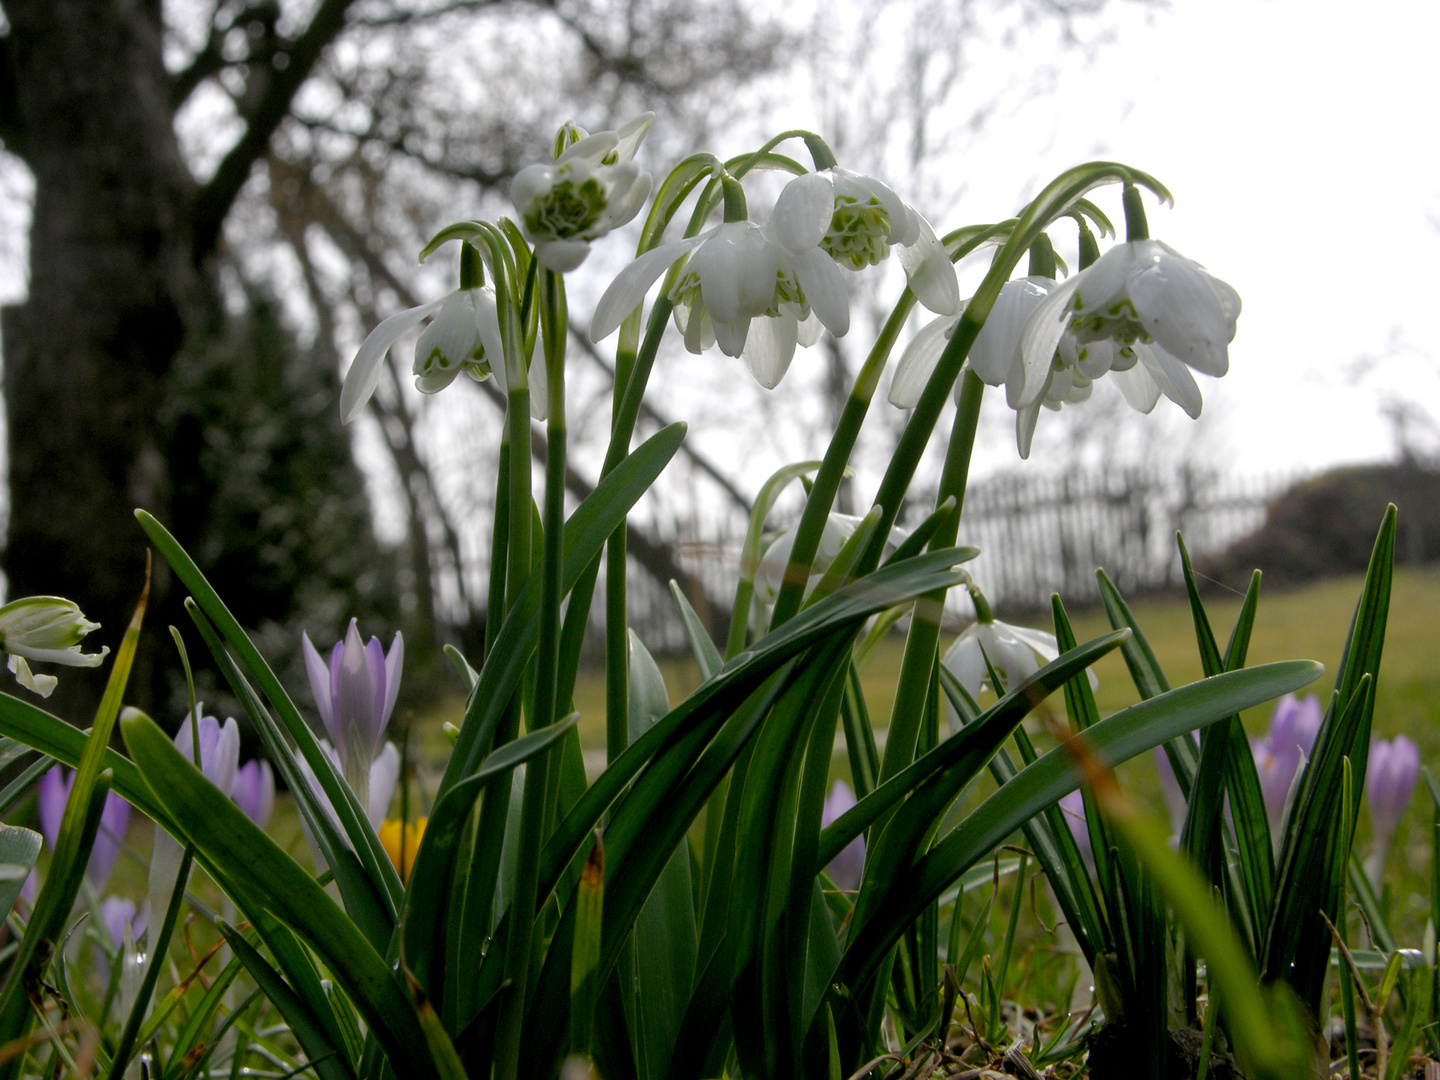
121,281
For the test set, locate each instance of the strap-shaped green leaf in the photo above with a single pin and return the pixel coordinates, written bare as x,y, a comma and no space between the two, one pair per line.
1118,738
351,815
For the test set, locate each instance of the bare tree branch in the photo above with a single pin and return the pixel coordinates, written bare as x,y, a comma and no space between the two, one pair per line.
216,197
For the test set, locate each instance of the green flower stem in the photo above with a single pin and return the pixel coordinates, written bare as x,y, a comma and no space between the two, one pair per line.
499,544
1136,225
960,243
832,469
921,646
537,807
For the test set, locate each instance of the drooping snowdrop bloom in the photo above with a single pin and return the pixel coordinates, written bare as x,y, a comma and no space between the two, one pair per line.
591,187
1144,296
254,791
47,629
464,336
1389,786
770,574
756,291
1291,736
355,695
53,792
847,868
1015,652
868,219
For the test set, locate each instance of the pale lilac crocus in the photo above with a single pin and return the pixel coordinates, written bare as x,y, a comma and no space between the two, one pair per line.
355,694
1389,787
52,793
1293,727
1175,804
846,868
1072,806
219,754
118,915
254,791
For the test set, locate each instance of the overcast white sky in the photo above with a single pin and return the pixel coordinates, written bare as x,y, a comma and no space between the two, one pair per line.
1301,142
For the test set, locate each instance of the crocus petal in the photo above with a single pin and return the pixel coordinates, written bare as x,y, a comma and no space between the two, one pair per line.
917,362
384,774
769,349
364,373
114,820
394,659
627,291
375,661
823,284
319,674
847,868
254,791
930,272
354,706
803,212
51,794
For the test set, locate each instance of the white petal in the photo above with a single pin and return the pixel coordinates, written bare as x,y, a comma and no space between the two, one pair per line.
562,256
529,184
996,351
1025,419
1104,283
965,661
449,340
364,373
1047,324
823,284
227,757
904,221
487,325
803,212
918,361
432,382
1173,378
1137,388
730,336
44,685
625,204
809,331
930,272
1177,305
631,134
394,661
539,384
769,348
1041,643
591,149
627,291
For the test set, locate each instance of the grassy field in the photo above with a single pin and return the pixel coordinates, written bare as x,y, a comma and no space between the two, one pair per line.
1310,623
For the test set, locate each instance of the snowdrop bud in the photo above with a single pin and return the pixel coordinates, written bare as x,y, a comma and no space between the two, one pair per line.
48,629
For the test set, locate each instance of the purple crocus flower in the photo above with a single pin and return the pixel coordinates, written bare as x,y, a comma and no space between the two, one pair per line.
219,746
1389,786
115,913
1073,807
847,867
52,793
254,791
1293,727
355,694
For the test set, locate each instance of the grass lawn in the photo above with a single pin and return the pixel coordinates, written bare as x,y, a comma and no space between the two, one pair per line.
1310,623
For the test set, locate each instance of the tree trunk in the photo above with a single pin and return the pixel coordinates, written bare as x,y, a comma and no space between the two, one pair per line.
114,292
